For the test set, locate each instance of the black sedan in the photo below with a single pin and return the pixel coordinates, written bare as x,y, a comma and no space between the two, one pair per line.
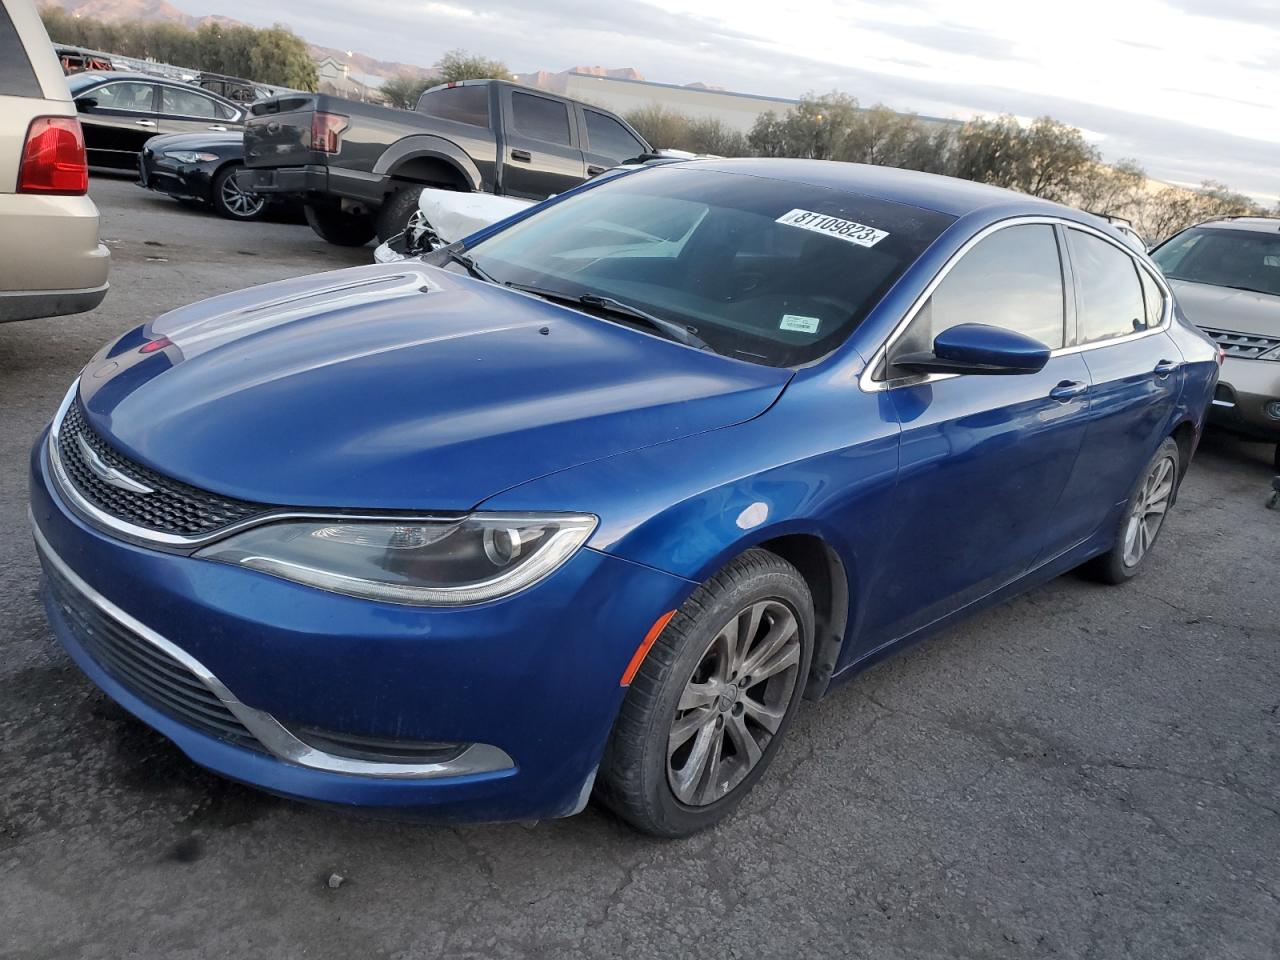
200,168
121,111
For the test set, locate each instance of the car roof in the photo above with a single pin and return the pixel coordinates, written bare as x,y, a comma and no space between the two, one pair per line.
929,191
1255,224
95,77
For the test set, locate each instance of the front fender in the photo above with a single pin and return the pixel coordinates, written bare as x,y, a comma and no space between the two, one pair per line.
821,462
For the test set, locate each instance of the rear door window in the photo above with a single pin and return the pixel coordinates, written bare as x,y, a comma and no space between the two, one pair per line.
1111,300
17,79
188,103
540,118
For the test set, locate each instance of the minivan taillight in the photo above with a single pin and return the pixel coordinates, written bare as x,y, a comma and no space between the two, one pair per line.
326,131
53,158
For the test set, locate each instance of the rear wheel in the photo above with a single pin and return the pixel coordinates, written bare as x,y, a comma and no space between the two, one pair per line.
710,705
230,201
1144,517
396,211
341,229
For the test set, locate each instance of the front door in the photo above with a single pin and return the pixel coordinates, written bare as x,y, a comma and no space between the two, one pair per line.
120,118
541,153
984,459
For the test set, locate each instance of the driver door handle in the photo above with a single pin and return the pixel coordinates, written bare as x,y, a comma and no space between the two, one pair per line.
1166,367
1068,390
217,126
594,170
145,123
522,155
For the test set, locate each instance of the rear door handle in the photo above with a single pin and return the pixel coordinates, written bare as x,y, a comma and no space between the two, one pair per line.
594,170
1068,390
217,126
1166,367
523,155
145,123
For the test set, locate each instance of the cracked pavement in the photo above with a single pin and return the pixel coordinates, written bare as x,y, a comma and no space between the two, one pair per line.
1086,772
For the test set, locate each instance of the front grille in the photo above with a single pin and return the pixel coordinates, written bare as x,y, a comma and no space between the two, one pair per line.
172,507
1250,346
146,670
378,749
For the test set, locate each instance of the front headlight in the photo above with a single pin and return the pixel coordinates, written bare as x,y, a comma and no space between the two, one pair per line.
190,156
426,563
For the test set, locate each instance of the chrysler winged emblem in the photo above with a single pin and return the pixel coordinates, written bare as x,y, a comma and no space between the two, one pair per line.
107,473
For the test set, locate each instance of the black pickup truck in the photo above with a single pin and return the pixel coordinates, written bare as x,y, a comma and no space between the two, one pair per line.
359,168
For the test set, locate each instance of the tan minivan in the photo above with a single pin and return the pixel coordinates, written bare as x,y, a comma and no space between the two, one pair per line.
51,262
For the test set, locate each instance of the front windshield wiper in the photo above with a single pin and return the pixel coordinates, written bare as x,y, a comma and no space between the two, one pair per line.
676,331
467,261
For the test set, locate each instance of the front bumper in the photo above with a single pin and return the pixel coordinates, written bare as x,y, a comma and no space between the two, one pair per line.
532,679
183,181
1246,390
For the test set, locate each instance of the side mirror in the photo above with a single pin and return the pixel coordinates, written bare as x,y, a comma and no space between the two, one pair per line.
978,348
85,104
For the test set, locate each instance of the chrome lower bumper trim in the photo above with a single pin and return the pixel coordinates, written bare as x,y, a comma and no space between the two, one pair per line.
274,736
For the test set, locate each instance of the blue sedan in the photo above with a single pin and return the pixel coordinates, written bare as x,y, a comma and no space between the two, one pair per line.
589,503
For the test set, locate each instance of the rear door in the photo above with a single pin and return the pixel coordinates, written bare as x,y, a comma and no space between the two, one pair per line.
984,459
541,155
1135,367
607,142
190,111
118,118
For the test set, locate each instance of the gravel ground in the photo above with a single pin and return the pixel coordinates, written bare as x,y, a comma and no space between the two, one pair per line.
1086,772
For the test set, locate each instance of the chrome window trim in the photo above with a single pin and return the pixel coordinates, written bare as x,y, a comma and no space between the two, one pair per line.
868,383
132,532
270,732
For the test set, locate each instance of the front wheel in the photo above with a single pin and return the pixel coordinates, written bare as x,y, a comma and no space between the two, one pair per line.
232,202
710,705
1144,517
338,228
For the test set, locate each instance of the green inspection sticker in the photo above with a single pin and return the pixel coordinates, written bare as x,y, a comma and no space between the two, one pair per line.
799,324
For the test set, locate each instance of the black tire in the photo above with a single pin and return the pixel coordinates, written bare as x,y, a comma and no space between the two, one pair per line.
1113,566
1277,461
338,228
393,215
230,202
633,780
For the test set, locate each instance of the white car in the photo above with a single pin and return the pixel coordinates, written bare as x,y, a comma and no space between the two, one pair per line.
445,216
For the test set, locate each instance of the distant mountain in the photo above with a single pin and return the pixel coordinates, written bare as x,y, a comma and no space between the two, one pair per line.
115,11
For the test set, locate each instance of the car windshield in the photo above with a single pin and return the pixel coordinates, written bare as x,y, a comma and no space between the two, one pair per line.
768,271
1244,259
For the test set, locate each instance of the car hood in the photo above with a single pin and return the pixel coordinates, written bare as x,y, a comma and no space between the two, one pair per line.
196,141
399,387
1225,308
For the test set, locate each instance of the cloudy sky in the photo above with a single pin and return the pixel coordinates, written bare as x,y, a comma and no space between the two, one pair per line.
1191,88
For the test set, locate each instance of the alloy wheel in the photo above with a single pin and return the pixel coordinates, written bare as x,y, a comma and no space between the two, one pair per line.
240,202
734,703
1148,511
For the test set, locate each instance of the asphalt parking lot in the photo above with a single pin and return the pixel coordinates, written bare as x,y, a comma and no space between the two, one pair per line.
1087,772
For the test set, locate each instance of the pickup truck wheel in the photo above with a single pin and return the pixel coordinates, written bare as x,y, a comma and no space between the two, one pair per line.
341,229
396,211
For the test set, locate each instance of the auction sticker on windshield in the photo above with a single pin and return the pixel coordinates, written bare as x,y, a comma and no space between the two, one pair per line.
849,230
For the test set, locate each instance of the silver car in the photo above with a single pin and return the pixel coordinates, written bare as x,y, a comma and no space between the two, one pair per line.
1226,276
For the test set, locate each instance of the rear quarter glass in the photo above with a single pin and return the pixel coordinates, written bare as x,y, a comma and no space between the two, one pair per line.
17,78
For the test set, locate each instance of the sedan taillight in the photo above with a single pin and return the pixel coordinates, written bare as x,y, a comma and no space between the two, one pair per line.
326,131
53,159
